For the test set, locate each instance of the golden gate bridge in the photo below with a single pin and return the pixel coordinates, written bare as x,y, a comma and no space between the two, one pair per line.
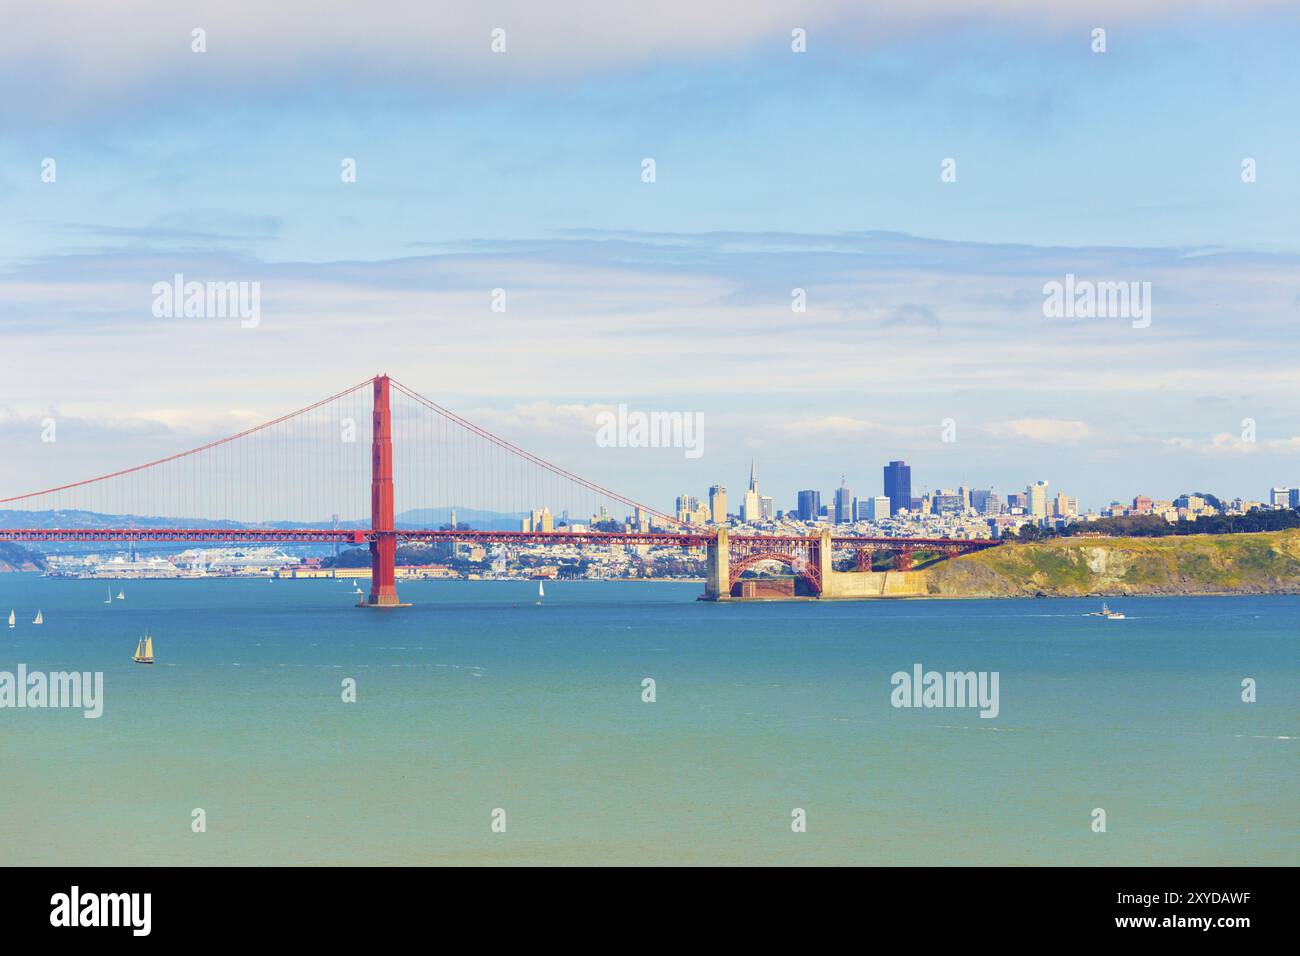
287,480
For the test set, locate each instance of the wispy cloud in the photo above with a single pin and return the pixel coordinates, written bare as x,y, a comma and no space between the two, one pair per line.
1048,431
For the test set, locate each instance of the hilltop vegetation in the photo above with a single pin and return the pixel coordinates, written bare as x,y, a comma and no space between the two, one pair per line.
1263,563
1155,526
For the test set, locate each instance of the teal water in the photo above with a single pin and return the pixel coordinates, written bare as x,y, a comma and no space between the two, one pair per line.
475,699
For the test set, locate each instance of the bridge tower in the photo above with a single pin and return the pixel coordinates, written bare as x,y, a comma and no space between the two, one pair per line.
383,546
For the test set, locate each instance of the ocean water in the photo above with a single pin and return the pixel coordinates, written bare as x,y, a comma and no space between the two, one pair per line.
476,699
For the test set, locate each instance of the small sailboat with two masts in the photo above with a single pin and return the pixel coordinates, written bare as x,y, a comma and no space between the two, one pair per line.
144,650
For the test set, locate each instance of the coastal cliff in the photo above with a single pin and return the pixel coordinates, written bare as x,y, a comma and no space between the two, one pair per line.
1263,563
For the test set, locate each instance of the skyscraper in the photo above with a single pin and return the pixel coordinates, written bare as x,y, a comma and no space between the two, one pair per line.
898,485
1037,493
810,505
751,509
718,504
843,504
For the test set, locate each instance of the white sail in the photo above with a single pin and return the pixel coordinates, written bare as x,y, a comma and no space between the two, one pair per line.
39,619
11,618
121,595
109,599
148,648
541,591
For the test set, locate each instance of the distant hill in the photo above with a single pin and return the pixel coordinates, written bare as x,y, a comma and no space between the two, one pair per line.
471,518
14,557
1261,563
414,518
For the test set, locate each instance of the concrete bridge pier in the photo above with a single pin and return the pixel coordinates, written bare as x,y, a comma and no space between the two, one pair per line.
824,563
717,581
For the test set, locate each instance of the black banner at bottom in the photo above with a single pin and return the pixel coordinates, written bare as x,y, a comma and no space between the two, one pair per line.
374,905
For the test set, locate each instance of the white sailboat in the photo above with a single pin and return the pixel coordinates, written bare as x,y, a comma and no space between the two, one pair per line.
109,599
121,595
39,618
144,651
541,592
11,618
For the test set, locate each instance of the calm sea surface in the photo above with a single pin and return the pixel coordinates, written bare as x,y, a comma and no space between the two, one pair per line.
476,699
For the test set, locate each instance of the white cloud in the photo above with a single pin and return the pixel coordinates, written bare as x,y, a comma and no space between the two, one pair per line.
1051,431
1227,444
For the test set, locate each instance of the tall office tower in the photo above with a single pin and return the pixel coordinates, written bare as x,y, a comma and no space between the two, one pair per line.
1279,497
879,508
751,509
965,497
718,504
979,498
1065,506
898,485
766,507
1037,493
810,505
991,504
843,504
547,521
690,510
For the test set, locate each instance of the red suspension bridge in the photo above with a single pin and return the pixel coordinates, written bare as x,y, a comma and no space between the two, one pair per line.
288,481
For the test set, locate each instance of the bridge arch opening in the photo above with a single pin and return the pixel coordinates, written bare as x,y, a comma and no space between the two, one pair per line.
750,576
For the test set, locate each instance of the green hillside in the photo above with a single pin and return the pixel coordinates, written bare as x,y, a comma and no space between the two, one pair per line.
1065,567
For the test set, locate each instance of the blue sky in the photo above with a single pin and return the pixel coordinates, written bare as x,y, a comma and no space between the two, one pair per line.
774,170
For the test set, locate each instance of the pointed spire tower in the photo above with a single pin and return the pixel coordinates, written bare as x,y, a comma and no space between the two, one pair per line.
751,507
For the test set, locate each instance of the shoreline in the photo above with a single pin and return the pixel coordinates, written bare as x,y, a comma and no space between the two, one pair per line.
981,596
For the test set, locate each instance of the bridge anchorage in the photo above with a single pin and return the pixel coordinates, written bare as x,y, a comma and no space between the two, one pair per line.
289,480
